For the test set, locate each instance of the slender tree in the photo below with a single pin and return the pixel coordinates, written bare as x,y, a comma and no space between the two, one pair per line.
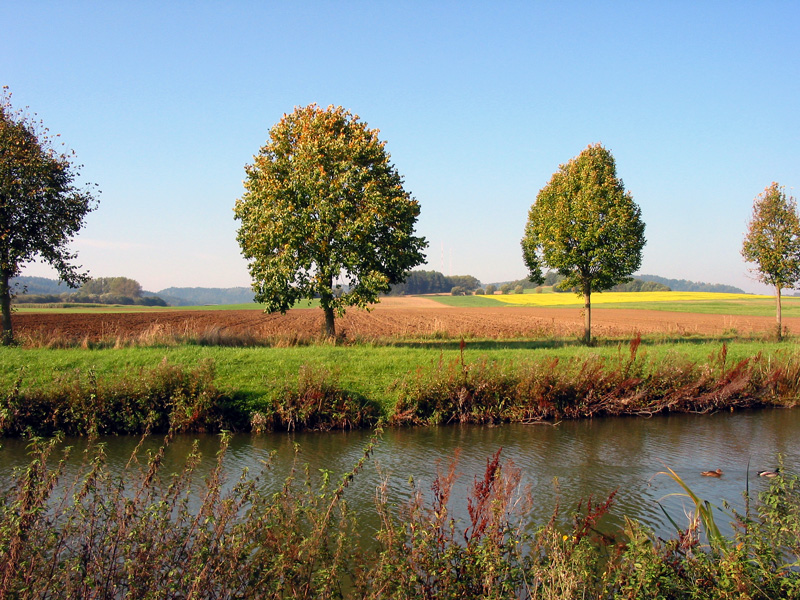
772,242
322,204
585,226
41,208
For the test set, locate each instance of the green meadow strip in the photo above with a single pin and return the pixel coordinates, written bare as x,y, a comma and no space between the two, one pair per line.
323,386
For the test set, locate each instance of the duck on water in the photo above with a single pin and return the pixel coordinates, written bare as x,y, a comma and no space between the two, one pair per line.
717,473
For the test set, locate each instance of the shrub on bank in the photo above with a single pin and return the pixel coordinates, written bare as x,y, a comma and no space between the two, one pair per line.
158,399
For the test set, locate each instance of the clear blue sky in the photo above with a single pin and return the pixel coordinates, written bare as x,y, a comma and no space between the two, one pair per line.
165,102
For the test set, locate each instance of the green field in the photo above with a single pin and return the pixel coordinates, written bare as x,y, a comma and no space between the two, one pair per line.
693,302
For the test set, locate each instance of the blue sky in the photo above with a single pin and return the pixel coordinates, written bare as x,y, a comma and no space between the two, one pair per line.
165,102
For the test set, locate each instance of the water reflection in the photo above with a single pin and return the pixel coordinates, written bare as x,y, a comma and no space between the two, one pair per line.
562,464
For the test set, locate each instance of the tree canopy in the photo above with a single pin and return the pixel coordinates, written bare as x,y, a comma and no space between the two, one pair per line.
324,214
772,242
41,207
116,286
585,226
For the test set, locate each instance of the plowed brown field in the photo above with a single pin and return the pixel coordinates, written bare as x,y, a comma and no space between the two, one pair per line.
393,317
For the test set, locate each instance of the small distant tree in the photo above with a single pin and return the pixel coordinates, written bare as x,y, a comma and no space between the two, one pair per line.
115,286
585,226
519,289
505,288
41,208
458,291
468,282
772,242
322,204
491,289
552,278
479,292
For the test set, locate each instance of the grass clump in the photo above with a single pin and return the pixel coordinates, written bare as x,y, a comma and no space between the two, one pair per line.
314,401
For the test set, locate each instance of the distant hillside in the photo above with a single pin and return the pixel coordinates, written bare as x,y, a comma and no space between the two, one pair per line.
683,285
199,296
39,285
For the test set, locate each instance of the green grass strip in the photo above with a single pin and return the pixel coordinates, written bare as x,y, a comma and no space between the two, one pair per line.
370,371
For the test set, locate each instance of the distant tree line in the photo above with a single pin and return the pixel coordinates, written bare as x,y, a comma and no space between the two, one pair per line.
102,290
645,283
682,285
634,285
434,282
508,287
641,285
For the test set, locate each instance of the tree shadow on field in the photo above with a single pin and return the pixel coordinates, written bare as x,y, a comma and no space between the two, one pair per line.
550,344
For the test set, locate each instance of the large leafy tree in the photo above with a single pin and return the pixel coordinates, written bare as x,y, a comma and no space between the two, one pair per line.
772,242
41,208
585,226
322,205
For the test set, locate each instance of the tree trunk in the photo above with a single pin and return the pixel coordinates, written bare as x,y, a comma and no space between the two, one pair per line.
587,313
778,311
325,300
329,331
5,309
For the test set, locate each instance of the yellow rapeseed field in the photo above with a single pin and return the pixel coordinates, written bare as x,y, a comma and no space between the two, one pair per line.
570,299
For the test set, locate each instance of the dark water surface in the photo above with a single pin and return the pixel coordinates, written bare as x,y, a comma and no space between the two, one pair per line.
563,464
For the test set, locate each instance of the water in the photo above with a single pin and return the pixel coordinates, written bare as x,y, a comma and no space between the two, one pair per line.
563,464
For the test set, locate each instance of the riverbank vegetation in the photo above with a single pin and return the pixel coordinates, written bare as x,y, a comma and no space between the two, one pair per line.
146,532
325,386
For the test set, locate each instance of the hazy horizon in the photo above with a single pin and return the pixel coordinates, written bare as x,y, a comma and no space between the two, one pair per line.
165,103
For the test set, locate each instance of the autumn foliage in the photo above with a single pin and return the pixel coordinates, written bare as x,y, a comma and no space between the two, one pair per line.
585,226
772,242
324,214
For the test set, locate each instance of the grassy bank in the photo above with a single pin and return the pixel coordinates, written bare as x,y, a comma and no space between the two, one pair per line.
322,385
138,535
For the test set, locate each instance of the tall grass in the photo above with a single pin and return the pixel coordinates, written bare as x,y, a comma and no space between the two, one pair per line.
79,402
157,335
457,391
143,535
315,401
146,533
